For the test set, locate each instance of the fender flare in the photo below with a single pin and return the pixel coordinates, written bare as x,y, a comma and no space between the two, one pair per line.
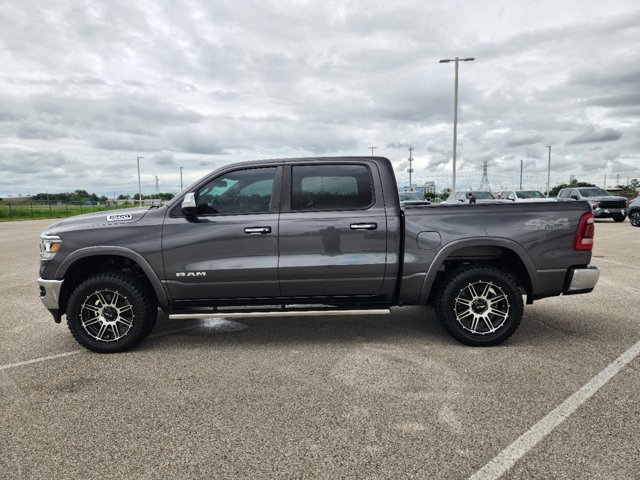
446,251
132,255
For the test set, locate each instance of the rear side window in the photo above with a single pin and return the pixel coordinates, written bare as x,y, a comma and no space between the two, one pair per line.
331,187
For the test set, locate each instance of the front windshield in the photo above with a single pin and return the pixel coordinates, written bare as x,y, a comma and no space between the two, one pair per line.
594,192
483,196
529,194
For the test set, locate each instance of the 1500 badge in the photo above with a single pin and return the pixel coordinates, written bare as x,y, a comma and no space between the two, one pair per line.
119,217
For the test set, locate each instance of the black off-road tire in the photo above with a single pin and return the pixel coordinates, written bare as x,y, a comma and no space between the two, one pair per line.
634,218
480,306
111,312
620,218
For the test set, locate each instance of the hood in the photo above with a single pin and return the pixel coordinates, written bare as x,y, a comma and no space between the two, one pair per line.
98,219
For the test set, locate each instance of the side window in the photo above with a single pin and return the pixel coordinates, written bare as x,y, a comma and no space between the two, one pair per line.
563,194
512,196
330,187
238,192
575,194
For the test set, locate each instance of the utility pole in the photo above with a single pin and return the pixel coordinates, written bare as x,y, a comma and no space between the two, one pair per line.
605,181
549,171
520,174
181,188
139,185
455,117
410,168
157,187
372,149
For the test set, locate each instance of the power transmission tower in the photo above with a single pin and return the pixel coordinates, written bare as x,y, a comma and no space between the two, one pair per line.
484,183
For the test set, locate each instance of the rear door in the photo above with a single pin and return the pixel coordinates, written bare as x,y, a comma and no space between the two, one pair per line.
333,230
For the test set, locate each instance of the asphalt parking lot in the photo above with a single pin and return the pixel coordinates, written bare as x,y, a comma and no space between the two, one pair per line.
337,397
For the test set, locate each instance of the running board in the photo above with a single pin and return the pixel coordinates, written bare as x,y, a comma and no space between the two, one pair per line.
285,313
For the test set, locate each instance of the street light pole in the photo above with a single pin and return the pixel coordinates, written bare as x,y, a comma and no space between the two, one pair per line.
455,117
549,171
139,185
181,178
372,149
520,174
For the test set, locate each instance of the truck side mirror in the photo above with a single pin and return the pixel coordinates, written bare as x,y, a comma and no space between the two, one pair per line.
188,205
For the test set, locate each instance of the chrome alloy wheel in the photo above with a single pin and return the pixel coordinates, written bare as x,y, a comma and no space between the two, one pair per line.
106,315
481,307
634,218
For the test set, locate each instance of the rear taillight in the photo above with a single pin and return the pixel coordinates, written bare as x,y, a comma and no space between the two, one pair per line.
586,231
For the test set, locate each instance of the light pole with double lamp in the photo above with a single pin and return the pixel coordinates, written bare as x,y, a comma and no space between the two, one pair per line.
455,117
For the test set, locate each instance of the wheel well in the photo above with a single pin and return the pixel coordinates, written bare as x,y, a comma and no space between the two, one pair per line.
499,257
88,266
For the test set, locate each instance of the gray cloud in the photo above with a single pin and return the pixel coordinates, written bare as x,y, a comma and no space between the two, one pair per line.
206,83
596,136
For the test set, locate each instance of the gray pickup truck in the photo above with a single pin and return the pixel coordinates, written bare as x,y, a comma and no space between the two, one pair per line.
315,236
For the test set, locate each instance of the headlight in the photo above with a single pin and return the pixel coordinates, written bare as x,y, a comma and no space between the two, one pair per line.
49,245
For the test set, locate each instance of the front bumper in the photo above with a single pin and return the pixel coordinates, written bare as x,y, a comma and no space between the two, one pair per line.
582,280
609,212
50,293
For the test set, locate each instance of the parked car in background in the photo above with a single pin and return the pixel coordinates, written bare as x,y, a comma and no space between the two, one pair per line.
413,198
479,195
603,204
634,212
524,196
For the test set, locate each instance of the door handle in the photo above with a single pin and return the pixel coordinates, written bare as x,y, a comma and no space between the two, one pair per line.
257,230
364,226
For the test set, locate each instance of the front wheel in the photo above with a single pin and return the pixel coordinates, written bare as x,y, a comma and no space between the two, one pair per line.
111,312
621,218
634,218
480,306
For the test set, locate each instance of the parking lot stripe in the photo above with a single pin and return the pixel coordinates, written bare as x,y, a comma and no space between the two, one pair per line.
510,455
74,352
617,263
38,360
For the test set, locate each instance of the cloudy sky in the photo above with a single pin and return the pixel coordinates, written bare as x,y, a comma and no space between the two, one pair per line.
87,86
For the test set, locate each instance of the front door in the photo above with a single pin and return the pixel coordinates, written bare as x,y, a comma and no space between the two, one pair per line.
229,249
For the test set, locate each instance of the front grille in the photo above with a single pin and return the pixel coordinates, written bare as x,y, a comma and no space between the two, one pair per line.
612,204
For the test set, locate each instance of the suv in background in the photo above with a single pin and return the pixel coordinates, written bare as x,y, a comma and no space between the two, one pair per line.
603,204
634,212
524,196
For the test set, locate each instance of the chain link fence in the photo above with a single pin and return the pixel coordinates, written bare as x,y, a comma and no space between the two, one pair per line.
34,210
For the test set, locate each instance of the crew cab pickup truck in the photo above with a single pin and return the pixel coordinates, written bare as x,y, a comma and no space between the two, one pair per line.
309,236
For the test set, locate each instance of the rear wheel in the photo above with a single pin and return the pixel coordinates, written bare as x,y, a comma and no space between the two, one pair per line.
634,218
480,306
620,218
111,312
